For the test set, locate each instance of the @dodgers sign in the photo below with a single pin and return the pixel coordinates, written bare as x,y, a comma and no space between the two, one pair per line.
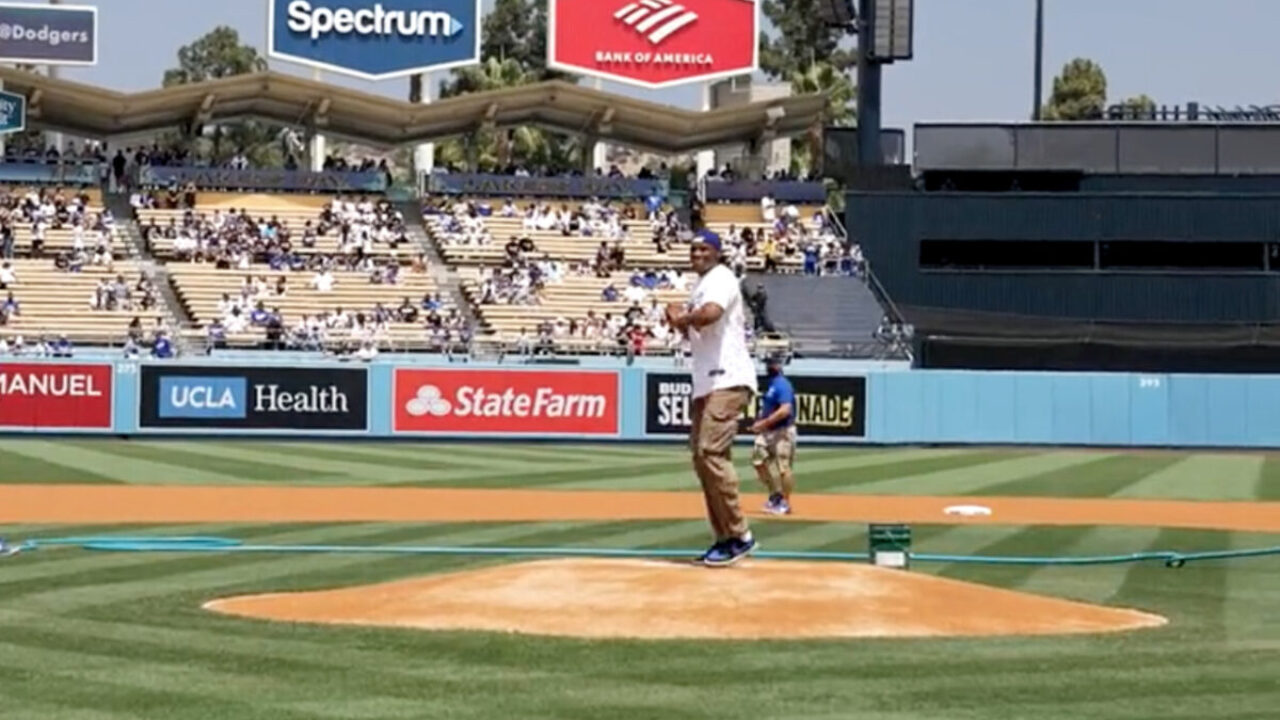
375,40
654,43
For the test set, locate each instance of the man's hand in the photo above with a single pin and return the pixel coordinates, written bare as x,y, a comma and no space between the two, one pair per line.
758,427
675,314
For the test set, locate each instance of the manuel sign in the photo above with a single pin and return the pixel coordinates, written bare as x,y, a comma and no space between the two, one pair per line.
375,40
654,43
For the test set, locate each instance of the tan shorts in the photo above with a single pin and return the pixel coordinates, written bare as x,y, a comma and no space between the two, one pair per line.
775,446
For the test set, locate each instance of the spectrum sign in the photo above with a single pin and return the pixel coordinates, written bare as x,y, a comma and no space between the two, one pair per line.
654,43
375,40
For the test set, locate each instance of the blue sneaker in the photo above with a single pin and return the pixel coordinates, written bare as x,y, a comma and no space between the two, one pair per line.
777,505
729,552
716,547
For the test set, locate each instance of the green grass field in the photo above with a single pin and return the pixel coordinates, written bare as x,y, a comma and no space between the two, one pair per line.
93,636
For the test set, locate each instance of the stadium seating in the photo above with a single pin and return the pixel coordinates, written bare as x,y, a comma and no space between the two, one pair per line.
201,286
54,302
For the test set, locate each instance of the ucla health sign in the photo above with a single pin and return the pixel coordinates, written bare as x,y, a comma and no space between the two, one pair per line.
375,40
253,398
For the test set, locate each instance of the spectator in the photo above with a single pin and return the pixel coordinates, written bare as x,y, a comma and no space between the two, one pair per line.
9,308
7,276
61,348
407,312
609,294
216,334
323,281
162,348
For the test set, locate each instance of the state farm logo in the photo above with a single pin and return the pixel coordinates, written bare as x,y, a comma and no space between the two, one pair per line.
656,20
428,402
496,401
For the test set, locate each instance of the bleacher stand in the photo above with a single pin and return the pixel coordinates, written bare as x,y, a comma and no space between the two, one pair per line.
306,272
593,276
65,279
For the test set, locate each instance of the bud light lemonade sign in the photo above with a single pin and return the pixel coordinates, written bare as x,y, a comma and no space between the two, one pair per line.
375,40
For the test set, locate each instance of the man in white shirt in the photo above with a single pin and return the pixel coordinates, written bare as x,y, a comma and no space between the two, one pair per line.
724,379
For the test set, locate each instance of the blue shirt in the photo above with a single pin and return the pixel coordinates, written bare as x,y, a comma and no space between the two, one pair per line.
778,394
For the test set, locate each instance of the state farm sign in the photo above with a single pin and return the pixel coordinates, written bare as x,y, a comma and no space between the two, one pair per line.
505,401
48,395
654,43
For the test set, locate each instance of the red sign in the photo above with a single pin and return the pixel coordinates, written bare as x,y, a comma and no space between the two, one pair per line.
654,43
506,401
48,395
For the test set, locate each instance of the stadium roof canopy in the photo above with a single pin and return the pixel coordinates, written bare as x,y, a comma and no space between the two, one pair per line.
90,111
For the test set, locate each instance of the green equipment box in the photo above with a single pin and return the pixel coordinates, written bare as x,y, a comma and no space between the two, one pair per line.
890,545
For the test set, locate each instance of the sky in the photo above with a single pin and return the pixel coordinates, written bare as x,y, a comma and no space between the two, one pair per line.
973,58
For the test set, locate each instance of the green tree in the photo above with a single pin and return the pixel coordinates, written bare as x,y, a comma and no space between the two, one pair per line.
823,78
1079,92
497,148
1138,107
801,38
217,54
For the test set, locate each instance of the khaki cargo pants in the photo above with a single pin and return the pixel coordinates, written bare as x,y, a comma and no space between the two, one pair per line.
715,425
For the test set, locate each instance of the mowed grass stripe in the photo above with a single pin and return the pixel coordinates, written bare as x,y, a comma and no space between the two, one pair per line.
123,572
842,479
180,682
1208,476
1268,486
976,478
26,461
1035,540
1194,596
808,464
136,466
228,574
1095,584
206,457
1101,477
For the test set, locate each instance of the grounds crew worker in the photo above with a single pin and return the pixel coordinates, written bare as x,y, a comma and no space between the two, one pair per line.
775,432
724,379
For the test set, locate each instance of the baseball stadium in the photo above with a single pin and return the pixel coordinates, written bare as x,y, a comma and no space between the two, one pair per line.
670,359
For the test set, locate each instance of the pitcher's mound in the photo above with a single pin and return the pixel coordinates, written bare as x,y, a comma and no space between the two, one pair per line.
649,599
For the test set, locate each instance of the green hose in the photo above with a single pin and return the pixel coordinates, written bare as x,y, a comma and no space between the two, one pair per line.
198,544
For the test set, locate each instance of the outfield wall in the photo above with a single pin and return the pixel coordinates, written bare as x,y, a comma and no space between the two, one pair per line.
385,400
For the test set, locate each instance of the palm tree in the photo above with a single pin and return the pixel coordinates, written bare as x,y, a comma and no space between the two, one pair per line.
824,78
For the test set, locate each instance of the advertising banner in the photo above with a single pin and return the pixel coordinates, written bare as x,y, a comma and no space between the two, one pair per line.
505,402
69,396
254,179
18,172
49,35
826,406
814,193
375,40
13,112
575,187
254,398
654,43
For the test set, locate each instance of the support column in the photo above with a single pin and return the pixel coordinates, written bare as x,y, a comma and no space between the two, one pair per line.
318,150
2,136
707,158
599,150
869,149
424,154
